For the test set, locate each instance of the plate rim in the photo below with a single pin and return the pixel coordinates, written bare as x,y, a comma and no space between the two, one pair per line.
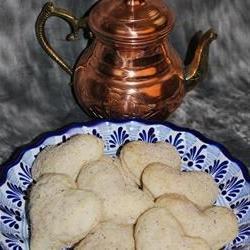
17,156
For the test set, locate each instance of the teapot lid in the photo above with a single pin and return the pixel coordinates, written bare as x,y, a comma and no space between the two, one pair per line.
131,21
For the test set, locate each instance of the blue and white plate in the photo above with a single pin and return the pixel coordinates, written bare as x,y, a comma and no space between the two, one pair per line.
198,154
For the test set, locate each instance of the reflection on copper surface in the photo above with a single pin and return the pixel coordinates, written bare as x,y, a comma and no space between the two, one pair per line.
124,86
130,70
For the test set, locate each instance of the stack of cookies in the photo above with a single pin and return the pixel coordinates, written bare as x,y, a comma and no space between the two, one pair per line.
138,200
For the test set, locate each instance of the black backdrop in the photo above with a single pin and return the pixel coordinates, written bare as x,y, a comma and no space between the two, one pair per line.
35,96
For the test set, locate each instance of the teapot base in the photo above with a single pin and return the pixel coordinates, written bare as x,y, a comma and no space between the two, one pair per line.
116,105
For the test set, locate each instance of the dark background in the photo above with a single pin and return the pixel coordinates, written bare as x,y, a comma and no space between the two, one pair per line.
35,95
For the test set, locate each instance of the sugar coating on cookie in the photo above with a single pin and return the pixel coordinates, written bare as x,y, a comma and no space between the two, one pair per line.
108,236
62,215
199,187
135,156
123,203
217,225
158,229
69,157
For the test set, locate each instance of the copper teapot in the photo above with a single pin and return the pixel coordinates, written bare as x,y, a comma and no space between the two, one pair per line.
129,69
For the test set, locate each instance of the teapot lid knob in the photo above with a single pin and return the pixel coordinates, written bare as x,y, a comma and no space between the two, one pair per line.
135,2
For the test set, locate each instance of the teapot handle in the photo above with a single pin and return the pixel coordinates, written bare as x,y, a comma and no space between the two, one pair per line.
49,10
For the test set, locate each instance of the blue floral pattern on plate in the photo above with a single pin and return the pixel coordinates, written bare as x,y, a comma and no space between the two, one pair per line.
25,175
10,217
94,132
198,154
218,170
194,158
241,207
118,138
148,136
178,142
15,194
231,188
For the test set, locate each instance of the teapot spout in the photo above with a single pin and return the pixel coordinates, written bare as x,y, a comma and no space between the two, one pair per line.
196,62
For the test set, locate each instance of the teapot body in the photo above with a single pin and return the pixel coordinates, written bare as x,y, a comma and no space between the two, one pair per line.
118,81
